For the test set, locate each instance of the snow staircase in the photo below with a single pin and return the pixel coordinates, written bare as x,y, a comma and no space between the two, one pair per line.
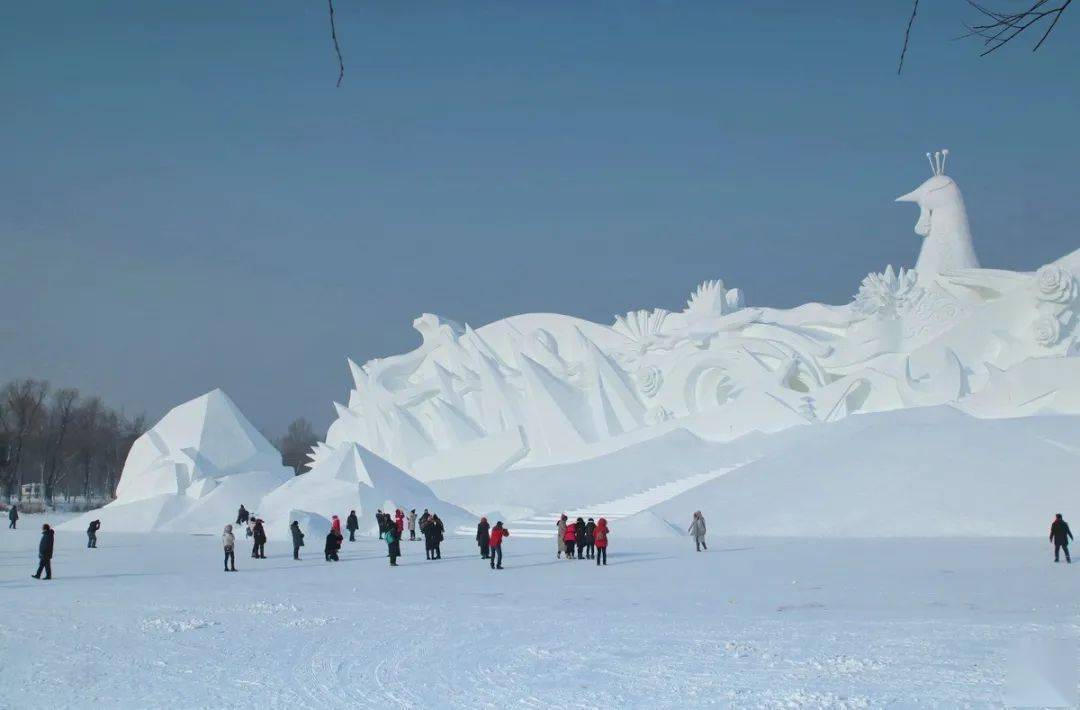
543,526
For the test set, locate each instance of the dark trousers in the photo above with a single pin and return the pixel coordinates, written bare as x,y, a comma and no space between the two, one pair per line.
590,550
230,559
700,543
436,552
412,534
569,549
44,564
258,550
91,540
484,550
352,535
11,525
581,551
601,554
296,552
332,556
496,556
1062,547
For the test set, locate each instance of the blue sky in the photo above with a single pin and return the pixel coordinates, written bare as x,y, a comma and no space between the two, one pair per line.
187,201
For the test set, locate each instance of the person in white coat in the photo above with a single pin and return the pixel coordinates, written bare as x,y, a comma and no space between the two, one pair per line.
560,536
697,529
228,541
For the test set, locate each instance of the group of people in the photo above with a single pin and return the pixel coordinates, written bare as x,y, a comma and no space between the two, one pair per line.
588,537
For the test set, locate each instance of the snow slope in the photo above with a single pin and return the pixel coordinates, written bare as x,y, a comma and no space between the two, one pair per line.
918,472
153,622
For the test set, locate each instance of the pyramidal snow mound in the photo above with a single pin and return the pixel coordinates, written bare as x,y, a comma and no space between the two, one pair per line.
352,478
191,471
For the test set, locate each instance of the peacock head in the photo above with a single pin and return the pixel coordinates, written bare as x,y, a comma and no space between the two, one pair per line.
939,191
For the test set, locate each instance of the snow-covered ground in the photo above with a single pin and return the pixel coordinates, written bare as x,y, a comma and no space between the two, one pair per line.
152,621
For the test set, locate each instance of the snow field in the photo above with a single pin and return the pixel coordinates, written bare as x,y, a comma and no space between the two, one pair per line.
152,621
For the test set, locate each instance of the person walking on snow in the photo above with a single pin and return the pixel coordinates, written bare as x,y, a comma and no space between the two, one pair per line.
258,549
393,545
570,536
590,539
560,536
483,537
13,517
497,535
297,539
333,544
228,541
45,550
411,518
1060,536
91,533
242,515
601,534
352,524
697,529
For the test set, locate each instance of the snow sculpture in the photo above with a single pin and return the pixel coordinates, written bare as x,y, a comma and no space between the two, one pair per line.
193,448
942,221
191,471
537,389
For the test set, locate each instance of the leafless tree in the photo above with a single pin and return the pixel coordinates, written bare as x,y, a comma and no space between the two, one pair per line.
58,423
296,445
997,27
23,401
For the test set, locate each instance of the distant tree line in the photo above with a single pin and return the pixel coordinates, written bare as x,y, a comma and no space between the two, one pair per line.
70,444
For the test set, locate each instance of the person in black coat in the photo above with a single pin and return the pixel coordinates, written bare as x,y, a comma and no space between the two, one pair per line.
333,544
297,539
393,546
579,537
258,548
483,537
428,531
439,529
1060,536
91,533
380,522
242,516
352,525
13,517
590,539
45,550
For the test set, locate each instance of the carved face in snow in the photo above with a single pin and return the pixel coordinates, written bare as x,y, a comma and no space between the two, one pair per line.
937,192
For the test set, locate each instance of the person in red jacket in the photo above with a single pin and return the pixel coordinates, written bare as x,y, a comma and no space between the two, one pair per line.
497,534
335,526
601,535
570,538
399,521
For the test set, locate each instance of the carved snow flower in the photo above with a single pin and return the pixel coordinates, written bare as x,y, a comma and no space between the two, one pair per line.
1046,330
1055,284
888,294
649,380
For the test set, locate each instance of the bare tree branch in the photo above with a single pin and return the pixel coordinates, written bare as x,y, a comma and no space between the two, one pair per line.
337,47
1000,28
907,35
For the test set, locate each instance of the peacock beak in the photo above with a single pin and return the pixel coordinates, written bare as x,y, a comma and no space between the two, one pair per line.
912,196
